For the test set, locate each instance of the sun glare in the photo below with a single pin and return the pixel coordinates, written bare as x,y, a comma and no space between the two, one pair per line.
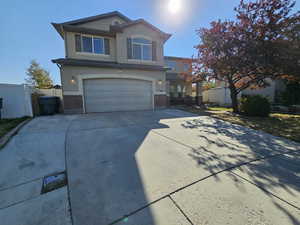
174,6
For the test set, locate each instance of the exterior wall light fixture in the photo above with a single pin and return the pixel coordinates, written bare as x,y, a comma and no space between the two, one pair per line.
73,80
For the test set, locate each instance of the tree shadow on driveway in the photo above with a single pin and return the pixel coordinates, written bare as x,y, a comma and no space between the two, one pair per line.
269,162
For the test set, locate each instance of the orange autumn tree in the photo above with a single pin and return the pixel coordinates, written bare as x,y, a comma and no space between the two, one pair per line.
262,43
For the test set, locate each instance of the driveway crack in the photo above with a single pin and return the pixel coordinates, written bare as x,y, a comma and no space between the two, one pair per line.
20,202
20,184
265,190
182,212
67,174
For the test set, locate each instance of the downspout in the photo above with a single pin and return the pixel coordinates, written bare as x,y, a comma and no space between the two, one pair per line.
62,87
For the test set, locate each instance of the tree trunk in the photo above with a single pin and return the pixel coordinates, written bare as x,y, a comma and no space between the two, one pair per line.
234,97
234,100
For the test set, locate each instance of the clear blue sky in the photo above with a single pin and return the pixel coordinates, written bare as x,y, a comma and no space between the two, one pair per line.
26,32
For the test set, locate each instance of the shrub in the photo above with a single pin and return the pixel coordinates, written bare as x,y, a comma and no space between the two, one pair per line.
291,95
255,105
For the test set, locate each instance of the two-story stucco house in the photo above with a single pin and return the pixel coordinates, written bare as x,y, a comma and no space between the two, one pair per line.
112,63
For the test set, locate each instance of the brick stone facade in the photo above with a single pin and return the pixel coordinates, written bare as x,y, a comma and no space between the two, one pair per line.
161,101
73,104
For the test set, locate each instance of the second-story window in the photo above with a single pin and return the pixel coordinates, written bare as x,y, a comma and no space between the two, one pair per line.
92,44
141,49
171,64
186,67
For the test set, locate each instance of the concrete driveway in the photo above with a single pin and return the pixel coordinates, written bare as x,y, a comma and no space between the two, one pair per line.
162,167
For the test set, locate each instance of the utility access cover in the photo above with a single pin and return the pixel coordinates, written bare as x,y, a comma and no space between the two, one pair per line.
54,181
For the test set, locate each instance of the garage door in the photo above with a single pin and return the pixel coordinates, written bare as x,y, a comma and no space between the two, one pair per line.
108,95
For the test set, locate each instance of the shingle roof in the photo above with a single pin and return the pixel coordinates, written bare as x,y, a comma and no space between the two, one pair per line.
97,17
120,27
71,25
86,30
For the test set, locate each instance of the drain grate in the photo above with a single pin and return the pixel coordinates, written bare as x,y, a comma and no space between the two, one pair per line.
54,181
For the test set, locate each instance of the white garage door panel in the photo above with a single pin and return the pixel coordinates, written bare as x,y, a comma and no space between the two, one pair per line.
107,95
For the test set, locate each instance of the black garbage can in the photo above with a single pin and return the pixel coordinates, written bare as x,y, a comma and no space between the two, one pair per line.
49,105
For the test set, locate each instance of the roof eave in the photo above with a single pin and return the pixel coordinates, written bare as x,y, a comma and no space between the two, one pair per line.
177,58
167,37
105,64
58,27
85,30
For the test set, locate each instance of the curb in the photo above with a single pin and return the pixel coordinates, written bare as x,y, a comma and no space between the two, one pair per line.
5,139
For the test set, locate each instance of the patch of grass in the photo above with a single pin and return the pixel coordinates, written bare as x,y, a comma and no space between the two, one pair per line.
219,109
283,125
7,125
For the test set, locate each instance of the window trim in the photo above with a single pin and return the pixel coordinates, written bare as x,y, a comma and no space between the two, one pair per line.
102,39
92,53
141,44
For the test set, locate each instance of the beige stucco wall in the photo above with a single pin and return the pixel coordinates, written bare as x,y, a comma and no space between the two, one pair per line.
102,24
69,72
71,53
118,46
138,30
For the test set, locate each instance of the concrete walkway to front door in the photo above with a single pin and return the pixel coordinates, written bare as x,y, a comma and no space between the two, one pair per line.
162,167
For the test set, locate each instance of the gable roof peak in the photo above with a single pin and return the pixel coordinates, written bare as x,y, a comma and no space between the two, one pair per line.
97,17
119,27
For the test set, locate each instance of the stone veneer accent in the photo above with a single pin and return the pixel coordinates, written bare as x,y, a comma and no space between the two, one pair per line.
161,101
73,104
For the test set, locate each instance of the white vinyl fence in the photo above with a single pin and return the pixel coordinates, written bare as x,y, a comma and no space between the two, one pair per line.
16,100
50,92
267,92
219,95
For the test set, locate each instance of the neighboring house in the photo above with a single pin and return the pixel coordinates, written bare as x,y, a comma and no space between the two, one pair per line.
112,63
178,82
221,93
